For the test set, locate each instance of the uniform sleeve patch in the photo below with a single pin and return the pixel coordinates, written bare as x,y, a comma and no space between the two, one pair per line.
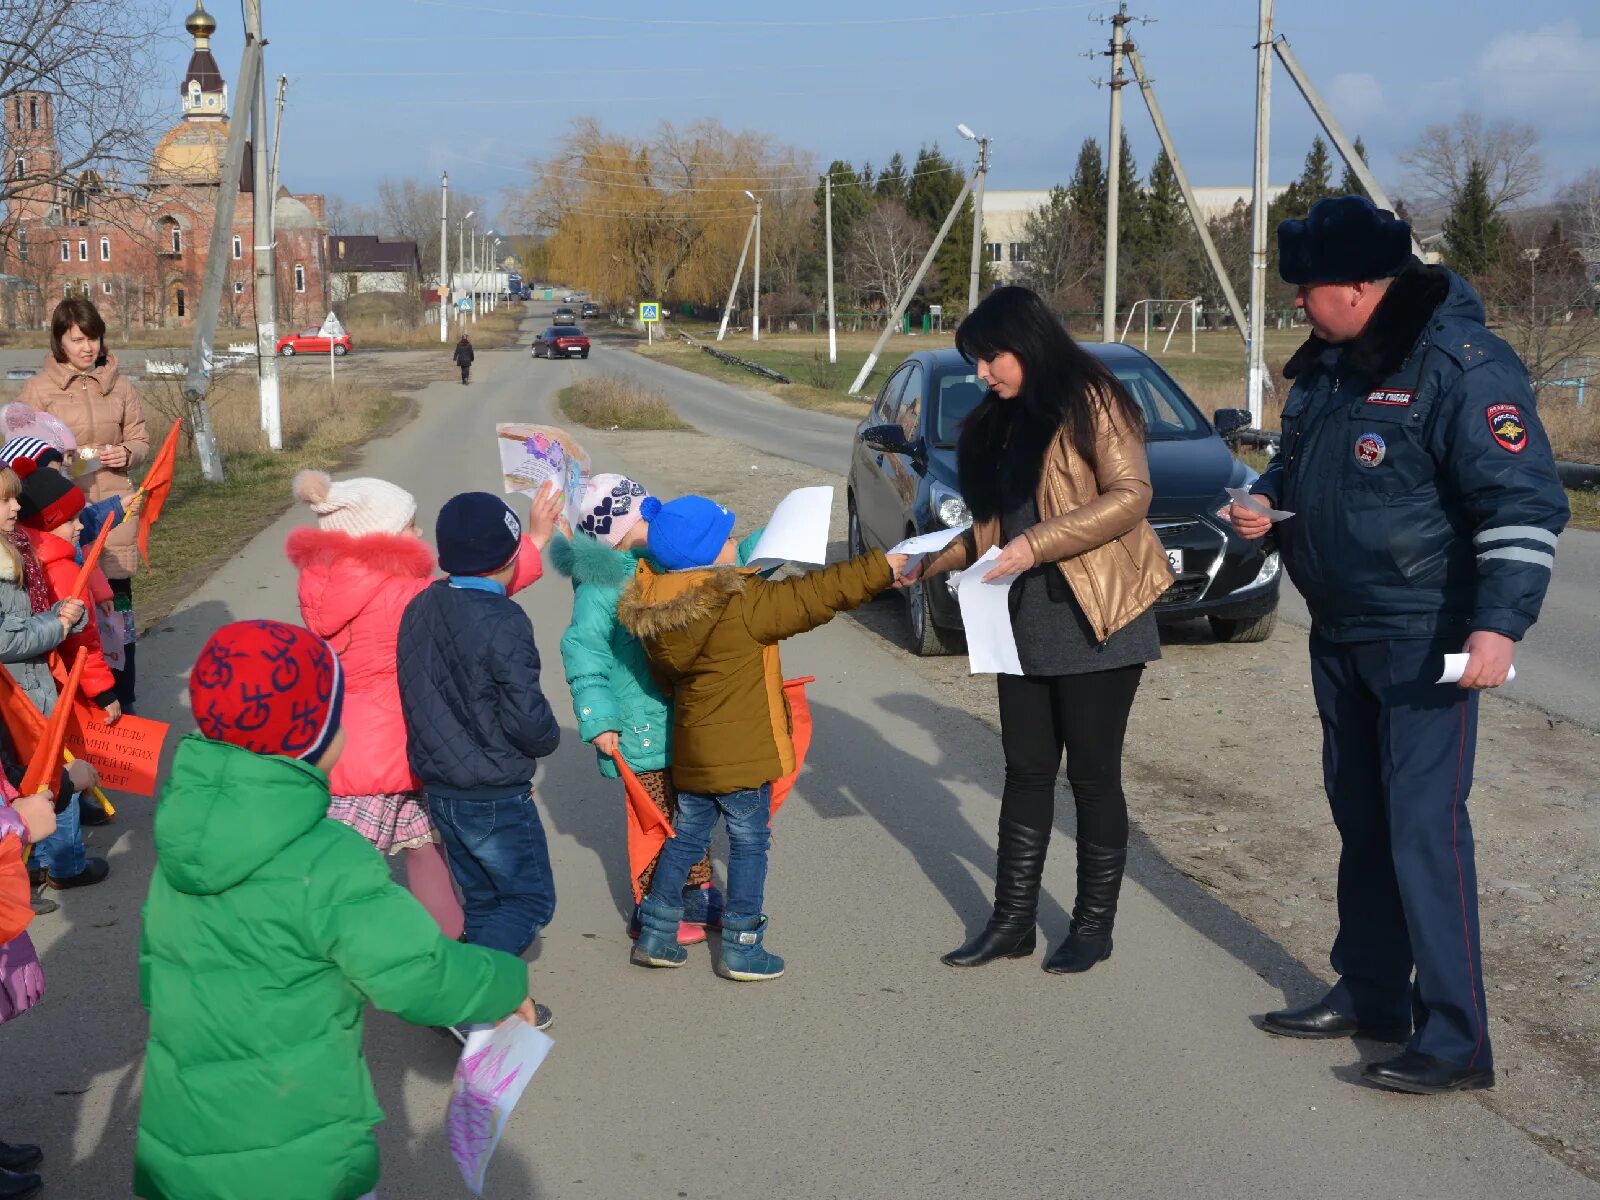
1505,422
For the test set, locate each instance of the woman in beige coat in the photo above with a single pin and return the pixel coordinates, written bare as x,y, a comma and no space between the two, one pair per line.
80,384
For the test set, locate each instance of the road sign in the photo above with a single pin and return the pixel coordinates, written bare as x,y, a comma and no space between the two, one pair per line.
649,312
332,327
465,304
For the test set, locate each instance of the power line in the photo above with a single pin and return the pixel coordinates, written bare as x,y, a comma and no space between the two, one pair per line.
735,23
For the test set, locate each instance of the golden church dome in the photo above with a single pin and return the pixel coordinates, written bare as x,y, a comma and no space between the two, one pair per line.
200,24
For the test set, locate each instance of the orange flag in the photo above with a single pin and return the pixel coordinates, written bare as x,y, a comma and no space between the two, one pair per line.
794,691
45,763
157,486
23,721
91,559
648,829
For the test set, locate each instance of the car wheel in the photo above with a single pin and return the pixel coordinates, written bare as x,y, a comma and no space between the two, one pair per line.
339,351
1244,629
857,547
585,354
287,352
927,639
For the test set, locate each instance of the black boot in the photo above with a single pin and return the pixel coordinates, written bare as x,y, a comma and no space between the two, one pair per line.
1089,939
1010,932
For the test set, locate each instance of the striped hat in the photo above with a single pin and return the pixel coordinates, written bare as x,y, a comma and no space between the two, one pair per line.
38,451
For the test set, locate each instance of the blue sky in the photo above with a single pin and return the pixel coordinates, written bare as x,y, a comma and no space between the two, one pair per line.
403,88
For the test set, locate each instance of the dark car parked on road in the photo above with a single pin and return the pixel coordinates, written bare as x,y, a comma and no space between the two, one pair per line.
589,310
561,341
903,482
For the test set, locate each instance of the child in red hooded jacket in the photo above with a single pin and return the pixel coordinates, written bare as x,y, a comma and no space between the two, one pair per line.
359,567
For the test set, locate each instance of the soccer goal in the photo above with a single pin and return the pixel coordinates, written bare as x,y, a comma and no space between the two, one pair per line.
1177,307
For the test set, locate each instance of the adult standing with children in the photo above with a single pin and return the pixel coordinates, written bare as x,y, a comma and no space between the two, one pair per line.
1426,507
1052,465
81,385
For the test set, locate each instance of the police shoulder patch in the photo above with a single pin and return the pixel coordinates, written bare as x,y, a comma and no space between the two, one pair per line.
1507,426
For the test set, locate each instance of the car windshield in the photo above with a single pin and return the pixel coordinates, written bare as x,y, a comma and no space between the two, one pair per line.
1168,414
956,393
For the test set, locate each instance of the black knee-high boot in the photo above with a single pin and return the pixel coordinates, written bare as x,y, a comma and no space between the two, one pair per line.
1099,883
1011,930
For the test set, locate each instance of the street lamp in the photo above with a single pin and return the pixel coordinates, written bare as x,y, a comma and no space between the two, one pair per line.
461,253
755,306
977,213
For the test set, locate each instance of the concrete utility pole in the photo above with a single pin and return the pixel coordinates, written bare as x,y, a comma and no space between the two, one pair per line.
264,257
1108,311
1258,215
911,288
727,309
444,253
1195,215
977,214
755,289
827,221
198,380
477,277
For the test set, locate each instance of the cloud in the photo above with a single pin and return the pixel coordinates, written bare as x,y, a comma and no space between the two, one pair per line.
1554,65
1356,97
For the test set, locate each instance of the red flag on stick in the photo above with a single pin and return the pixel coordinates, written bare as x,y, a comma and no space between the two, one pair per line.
157,486
91,559
23,721
794,693
45,764
648,829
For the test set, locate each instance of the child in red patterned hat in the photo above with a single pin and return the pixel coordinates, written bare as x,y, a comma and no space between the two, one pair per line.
266,931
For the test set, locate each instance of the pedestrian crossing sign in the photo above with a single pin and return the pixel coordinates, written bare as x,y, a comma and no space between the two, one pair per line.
649,312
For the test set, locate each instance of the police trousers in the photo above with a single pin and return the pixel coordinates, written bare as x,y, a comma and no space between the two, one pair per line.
1397,757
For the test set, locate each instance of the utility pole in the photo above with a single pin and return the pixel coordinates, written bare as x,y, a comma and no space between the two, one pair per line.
911,288
264,258
272,190
477,278
755,290
461,263
1258,215
198,379
827,220
1195,215
977,214
727,309
444,253
1108,311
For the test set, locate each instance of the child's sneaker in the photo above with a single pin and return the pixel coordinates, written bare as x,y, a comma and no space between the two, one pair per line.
744,958
657,944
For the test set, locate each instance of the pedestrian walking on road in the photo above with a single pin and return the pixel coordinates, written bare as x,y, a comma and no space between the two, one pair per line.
1426,507
1052,465
464,357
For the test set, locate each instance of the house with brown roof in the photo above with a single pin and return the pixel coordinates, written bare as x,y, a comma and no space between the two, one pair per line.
359,263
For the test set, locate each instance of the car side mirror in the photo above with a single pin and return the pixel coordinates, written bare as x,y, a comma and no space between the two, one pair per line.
887,439
1230,420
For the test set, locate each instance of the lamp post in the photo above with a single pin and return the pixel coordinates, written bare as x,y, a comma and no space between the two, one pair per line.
755,290
461,254
977,213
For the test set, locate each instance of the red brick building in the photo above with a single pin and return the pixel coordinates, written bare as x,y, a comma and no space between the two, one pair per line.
139,251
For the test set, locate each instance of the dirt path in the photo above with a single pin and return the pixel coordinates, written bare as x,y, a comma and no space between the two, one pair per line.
1241,809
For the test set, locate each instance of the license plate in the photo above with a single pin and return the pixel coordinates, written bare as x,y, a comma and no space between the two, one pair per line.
1175,561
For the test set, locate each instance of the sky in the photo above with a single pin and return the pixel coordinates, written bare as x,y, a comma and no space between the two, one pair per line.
409,88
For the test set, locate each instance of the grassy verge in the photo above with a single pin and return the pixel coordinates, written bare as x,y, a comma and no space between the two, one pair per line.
493,331
607,403
1585,504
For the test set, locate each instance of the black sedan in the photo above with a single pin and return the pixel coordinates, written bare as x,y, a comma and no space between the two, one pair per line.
903,482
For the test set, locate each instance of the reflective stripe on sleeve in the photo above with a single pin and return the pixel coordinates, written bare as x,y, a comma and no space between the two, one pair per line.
1514,533
1538,558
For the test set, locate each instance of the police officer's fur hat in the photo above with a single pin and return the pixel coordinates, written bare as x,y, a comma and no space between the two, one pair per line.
1345,239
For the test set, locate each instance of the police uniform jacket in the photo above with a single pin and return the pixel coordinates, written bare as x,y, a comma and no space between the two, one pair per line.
1424,490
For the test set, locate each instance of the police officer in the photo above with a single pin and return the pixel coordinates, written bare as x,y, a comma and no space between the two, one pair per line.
1426,508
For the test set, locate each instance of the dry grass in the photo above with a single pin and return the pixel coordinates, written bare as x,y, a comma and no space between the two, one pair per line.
1574,431
609,403
1585,504
493,330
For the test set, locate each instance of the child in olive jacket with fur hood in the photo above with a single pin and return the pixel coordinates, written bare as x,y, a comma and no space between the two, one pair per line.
711,630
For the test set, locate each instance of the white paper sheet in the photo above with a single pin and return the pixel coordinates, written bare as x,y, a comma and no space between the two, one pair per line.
1243,498
496,1065
986,614
798,530
1455,666
531,455
928,543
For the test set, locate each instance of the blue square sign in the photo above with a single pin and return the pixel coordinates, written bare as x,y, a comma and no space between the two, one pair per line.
649,312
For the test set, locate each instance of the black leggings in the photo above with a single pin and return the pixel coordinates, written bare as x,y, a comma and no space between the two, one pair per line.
124,678
1087,715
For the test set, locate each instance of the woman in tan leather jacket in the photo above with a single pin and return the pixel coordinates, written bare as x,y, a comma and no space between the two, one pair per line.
1052,465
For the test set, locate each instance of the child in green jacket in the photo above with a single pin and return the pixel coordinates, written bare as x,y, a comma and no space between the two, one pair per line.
267,929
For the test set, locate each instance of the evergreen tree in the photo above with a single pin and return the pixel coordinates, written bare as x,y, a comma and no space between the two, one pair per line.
1164,207
933,187
851,198
1475,236
892,183
1349,185
1316,177
1087,187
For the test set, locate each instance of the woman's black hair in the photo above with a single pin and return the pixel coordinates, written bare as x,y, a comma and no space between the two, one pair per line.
1003,442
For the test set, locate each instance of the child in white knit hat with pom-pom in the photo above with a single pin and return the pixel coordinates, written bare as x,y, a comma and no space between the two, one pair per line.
359,566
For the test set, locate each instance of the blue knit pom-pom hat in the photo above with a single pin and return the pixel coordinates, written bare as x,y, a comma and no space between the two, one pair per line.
687,532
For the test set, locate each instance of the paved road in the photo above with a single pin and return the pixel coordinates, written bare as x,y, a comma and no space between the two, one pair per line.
870,1070
1558,665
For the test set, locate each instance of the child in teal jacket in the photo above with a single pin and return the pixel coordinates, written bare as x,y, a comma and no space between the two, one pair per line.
619,708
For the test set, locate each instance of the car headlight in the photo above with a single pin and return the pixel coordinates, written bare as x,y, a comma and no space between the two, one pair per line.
949,507
1270,567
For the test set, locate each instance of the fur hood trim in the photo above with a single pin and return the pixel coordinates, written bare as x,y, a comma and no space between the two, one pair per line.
695,596
582,559
397,554
1382,348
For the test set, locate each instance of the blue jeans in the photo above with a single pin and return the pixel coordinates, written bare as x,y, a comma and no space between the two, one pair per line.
748,815
499,860
62,853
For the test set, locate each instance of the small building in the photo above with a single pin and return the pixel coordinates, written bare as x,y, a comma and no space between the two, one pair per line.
359,263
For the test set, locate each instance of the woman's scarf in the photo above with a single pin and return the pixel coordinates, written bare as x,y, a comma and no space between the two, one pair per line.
32,573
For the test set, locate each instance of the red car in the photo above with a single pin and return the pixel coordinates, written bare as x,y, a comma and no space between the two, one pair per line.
560,341
311,341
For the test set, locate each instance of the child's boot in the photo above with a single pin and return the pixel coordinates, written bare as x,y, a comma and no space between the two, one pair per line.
657,944
744,958
702,909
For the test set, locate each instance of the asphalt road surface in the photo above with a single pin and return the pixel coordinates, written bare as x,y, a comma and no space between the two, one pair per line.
1557,665
869,1070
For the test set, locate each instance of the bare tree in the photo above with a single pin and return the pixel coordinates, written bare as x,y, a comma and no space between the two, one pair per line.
123,304
1581,201
1544,299
410,210
1441,158
1063,251
886,247
91,61
345,216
